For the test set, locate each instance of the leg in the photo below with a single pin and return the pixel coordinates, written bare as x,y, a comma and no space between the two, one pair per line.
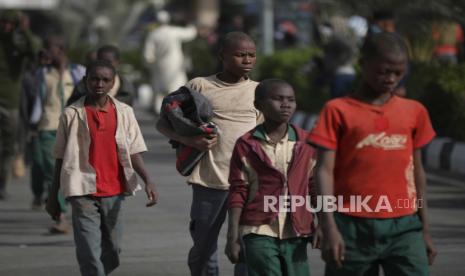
111,232
406,252
208,212
262,256
8,124
294,254
47,143
361,257
37,178
87,235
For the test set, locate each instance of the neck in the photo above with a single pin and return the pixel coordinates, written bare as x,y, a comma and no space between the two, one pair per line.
98,101
61,65
276,131
367,95
229,78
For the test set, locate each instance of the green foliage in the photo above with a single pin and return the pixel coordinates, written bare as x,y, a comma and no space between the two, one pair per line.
442,90
203,57
294,66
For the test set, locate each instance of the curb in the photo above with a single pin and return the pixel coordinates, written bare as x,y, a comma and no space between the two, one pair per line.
445,154
442,153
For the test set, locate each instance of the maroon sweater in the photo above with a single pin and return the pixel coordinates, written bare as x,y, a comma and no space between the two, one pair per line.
271,182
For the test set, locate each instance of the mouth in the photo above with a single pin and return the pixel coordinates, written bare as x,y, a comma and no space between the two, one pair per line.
389,87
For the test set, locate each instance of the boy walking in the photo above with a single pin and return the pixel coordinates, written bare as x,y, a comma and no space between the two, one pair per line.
231,95
271,161
370,146
98,152
54,84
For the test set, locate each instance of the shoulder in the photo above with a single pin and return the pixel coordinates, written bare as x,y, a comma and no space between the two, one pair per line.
244,141
70,111
201,83
339,103
339,107
410,105
123,107
301,133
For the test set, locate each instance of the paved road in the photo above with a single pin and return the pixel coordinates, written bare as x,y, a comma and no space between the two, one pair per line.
156,240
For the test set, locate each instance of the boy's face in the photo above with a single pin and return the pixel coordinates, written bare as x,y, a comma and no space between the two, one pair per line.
55,51
100,81
279,104
239,58
384,73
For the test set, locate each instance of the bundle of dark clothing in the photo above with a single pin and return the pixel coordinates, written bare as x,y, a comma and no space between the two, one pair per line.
188,113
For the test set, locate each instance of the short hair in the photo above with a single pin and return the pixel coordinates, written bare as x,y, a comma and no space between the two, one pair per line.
380,44
108,49
264,87
100,63
231,38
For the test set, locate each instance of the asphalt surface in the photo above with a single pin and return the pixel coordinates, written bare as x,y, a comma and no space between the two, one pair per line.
156,240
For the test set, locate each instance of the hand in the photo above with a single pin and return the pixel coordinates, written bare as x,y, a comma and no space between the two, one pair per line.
151,192
317,237
430,248
201,142
333,248
232,250
53,207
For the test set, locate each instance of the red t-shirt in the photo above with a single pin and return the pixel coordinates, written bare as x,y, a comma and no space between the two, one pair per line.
103,151
374,152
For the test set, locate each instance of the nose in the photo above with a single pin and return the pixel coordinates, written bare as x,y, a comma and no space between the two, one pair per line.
285,104
391,78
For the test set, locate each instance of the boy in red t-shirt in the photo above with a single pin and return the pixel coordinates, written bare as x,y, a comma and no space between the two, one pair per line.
98,150
370,158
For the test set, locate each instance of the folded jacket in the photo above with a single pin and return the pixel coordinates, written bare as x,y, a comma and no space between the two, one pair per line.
188,113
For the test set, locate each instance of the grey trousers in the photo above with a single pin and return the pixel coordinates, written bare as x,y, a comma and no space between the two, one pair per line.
8,126
97,225
208,213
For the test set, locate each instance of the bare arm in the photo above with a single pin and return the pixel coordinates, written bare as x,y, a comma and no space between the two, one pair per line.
233,245
53,207
333,247
150,190
420,183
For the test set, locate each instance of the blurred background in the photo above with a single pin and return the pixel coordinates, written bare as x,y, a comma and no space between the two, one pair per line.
303,41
